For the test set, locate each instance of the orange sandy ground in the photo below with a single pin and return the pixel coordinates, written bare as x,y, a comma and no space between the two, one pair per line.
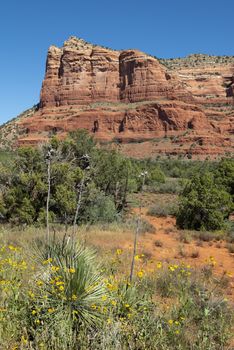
167,234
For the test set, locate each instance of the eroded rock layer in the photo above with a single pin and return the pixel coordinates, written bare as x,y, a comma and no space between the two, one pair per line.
128,96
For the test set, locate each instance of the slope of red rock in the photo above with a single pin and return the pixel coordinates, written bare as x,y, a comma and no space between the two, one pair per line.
129,96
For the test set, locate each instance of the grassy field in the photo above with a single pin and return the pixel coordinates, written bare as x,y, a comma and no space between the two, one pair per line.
182,284
133,281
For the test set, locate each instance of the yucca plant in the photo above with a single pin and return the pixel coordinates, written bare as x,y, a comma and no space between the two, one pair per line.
69,284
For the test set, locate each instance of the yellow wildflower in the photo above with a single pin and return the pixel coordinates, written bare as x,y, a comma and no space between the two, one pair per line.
59,283
119,251
31,294
170,322
140,274
39,283
104,310
159,265
45,262
109,286
71,270
54,268
24,340
11,247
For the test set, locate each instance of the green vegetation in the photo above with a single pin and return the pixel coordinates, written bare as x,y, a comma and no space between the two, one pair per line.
196,60
59,296
163,209
74,289
205,202
78,169
106,178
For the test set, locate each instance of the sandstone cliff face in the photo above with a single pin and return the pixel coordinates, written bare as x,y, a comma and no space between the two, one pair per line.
144,121
130,96
80,73
142,78
210,79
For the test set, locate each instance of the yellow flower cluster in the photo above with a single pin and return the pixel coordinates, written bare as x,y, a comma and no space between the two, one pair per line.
140,274
211,261
13,263
119,251
55,268
182,269
175,324
139,257
72,270
48,261
159,265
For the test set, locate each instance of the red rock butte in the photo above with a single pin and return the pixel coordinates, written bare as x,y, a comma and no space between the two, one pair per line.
148,106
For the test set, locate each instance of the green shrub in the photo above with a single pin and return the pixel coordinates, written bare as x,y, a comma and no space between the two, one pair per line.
156,175
163,209
230,247
203,204
172,186
230,233
144,225
99,208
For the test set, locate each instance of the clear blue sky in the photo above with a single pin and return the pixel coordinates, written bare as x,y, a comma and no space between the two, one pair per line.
169,28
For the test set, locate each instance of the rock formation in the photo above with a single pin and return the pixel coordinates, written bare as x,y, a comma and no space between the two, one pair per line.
129,96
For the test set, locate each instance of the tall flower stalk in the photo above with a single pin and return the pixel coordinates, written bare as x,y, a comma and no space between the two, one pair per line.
48,160
137,230
86,166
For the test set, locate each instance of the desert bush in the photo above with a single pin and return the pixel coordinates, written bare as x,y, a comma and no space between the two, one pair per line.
172,186
207,236
145,226
185,236
156,176
230,232
162,209
230,247
225,175
158,243
195,254
203,205
99,208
